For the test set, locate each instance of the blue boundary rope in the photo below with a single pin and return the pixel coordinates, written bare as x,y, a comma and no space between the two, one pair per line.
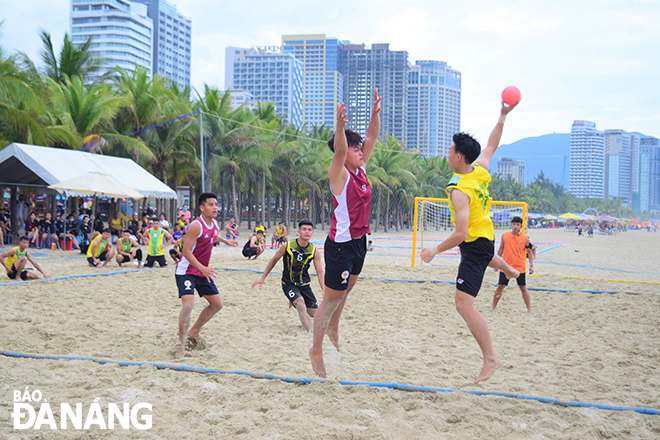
303,380
231,269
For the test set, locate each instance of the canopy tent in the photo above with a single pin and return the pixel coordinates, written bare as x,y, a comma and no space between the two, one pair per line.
30,165
96,183
605,218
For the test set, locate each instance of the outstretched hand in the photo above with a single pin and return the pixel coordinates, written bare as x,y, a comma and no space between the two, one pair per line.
342,116
259,282
376,106
507,108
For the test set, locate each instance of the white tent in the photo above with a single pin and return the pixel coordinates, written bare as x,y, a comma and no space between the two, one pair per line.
27,165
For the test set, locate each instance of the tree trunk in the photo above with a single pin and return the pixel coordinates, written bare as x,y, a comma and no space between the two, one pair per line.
378,210
387,213
286,210
263,198
322,203
268,216
249,207
234,207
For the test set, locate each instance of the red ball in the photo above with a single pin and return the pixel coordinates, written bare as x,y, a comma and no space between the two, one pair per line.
511,95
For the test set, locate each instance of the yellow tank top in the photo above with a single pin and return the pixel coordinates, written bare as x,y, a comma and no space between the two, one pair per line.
475,185
125,247
156,242
101,246
279,230
18,254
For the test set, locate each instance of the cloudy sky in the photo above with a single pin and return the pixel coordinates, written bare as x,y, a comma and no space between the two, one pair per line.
572,59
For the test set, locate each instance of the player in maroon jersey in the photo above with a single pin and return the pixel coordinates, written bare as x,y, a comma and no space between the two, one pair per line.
346,245
193,272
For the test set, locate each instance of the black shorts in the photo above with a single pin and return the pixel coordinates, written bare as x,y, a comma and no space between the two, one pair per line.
249,252
13,273
504,281
475,257
343,260
138,256
101,257
188,283
293,292
151,259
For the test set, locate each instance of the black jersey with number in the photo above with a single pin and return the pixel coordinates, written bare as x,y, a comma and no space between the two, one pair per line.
296,263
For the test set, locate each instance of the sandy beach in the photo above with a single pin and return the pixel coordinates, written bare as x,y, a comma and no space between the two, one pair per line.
582,343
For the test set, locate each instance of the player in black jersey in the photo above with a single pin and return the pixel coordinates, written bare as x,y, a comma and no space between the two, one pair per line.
298,255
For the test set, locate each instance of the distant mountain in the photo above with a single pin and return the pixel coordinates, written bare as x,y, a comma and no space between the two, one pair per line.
542,153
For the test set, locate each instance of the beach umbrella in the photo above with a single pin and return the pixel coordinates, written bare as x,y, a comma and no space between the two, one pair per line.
97,184
549,217
569,215
605,218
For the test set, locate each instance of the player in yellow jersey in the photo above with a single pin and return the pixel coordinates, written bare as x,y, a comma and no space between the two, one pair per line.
14,261
469,204
279,236
100,249
155,248
128,249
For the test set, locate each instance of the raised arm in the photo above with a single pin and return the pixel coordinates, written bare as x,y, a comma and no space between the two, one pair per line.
495,136
337,172
373,129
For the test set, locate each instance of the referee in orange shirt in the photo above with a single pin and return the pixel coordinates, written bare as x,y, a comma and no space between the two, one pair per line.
513,248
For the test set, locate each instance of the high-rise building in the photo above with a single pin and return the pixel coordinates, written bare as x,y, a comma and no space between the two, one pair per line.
509,167
171,41
121,32
649,176
434,107
586,161
322,79
617,171
364,70
269,75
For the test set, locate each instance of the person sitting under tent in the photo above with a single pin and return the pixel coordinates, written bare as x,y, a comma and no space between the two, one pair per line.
116,225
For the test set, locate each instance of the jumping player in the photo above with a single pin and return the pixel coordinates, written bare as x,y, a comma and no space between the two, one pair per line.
469,204
513,248
298,254
346,245
193,272
14,261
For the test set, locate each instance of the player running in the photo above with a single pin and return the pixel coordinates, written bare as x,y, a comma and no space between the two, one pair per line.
298,255
193,272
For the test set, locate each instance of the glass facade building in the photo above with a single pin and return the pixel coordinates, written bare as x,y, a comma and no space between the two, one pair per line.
171,41
268,75
322,79
121,32
364,70
434,107
586,160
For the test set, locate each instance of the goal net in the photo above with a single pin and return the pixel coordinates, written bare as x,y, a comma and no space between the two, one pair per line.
432,222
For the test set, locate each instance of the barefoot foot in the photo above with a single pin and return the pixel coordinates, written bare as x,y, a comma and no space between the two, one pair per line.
180,351
333,335
317,362
488,369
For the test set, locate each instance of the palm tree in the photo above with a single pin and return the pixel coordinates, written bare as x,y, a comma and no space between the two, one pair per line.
78,115
22,98
229,138
73,60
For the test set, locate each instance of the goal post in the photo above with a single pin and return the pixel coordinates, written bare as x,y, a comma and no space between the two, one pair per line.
432,220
